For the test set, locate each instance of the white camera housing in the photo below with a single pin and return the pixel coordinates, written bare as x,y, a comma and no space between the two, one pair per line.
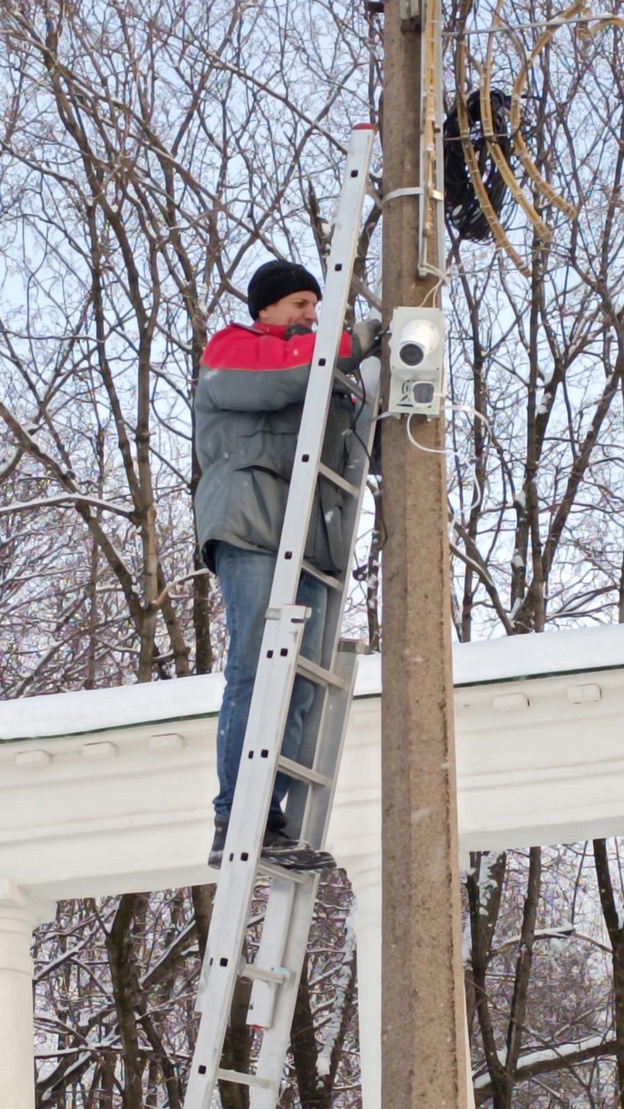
417,377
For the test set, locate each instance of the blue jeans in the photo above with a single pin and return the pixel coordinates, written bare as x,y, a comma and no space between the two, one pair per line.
245,578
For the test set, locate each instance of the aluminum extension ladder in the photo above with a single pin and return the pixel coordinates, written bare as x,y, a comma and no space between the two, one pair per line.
277,968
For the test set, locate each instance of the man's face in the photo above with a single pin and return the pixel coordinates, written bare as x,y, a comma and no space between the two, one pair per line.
295,310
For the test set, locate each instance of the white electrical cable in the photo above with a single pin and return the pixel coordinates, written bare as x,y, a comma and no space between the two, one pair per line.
432,291
475,481
479,415
478,491
538,25
419,446
466,558
455,408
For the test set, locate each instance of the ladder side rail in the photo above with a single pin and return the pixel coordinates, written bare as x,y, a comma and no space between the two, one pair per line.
309,808
275,1040
312,727
359,454
319,803
357,471
320,385
337,700
271,952
311,751
235,889
276,669
315,805
279,945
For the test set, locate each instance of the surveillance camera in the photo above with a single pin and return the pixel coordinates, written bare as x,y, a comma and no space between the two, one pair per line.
418,340
416,361
423,392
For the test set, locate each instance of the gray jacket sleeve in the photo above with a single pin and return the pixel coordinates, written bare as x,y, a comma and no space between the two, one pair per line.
253,390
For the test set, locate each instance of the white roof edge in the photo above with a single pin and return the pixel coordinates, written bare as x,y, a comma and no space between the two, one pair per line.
532,656
86,711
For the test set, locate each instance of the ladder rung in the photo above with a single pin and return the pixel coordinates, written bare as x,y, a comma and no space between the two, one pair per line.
352,646
331,583
302,773
318,674
353,386
243,1079
336,479
263,974
274,870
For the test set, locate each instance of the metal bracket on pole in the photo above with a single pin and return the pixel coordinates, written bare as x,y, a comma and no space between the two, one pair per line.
430,191
431,223
410,12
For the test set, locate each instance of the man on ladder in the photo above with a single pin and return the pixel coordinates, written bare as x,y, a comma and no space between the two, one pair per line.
248,409
272,408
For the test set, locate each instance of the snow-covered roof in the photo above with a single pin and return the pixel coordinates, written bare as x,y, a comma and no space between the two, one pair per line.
492,660
515,657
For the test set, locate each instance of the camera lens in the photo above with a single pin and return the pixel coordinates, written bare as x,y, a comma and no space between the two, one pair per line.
423,392
412,354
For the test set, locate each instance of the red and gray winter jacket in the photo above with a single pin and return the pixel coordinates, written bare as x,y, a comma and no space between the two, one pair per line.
248,407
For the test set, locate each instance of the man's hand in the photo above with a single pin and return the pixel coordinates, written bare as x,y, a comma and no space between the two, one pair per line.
366,339
296,329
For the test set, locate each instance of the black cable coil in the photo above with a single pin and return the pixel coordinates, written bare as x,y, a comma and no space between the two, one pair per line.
461,203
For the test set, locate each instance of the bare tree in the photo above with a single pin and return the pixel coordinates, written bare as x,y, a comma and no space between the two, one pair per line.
151,155
535,489
534,500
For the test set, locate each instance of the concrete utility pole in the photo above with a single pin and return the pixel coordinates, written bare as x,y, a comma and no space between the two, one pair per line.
423,1028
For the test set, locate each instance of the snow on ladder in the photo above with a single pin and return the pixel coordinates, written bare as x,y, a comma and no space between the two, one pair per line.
277,969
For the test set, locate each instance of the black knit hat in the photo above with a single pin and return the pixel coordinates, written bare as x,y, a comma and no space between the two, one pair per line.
275,280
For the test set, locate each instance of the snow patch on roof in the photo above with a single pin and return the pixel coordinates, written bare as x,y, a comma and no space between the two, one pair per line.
492,660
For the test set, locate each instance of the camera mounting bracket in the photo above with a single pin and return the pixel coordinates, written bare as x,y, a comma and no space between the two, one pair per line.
417,370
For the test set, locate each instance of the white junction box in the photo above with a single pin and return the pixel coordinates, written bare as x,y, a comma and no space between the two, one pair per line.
417,376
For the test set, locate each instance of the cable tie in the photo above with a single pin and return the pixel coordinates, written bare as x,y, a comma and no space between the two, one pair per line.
413,190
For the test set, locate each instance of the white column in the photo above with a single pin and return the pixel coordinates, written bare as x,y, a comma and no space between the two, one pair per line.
17,920
470,1097
365,877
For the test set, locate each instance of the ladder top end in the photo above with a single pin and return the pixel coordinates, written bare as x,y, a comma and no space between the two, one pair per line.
363,127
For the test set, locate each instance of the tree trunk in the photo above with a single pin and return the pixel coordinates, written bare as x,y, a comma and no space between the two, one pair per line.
616,936
121,958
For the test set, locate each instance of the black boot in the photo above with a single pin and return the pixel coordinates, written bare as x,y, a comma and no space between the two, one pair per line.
294,854
277,847
218,843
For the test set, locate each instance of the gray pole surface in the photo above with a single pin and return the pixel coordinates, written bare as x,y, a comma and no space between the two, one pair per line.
423,1038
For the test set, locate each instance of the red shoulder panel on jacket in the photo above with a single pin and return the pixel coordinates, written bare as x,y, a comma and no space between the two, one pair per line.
237,347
